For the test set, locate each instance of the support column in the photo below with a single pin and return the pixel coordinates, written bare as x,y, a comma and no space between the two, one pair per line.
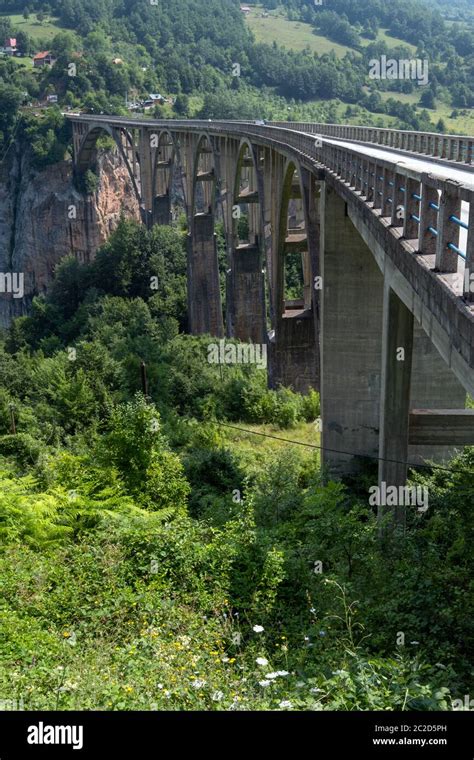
397,353
433,386
145,154
351,333
245,276
162,209
204,298
246,315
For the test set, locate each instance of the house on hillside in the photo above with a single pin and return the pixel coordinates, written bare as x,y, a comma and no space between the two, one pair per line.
43,59
9,47
157,98
245,9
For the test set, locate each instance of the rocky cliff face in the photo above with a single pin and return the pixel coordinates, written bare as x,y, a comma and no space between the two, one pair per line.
44,218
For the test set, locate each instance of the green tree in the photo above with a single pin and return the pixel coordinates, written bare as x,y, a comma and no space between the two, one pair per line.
181,105
152,474
24,43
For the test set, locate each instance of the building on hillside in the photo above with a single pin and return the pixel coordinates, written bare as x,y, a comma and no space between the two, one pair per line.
156,98
44,58
52,98
9,47
245,9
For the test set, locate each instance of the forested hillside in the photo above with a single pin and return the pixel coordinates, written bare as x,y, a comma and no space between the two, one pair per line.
121,50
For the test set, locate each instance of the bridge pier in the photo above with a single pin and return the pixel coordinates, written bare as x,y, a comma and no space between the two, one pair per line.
162,209
351,339
245,278
433,386
204,298
397,357
414,376
245,312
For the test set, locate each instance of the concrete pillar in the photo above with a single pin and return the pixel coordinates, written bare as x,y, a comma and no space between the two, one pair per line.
162,209
397,353
433,386
448,231
428,219
351,333
292,354
245,303
146,171
246,297
204,298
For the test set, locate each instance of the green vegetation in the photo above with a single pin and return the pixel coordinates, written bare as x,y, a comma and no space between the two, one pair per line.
168,550
156,553
299,36
131,48
294,35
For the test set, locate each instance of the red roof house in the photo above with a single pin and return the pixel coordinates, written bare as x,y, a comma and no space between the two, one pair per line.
43,59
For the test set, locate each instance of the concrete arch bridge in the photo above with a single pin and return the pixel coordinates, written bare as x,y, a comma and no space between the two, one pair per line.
379,226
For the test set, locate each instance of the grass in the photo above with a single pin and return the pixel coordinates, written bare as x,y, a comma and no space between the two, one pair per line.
252,449
391,42
38,32
296,35
463,123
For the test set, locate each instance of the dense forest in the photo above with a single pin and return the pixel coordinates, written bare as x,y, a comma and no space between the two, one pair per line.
187,50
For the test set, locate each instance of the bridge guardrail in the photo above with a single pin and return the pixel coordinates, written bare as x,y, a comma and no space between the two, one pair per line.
450,147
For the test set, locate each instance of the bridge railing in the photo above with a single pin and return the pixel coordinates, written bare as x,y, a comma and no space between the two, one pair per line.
450,147
435,215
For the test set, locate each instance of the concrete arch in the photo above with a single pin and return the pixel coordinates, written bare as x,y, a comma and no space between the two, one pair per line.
292,238
204,173
294,344
254,192
87,149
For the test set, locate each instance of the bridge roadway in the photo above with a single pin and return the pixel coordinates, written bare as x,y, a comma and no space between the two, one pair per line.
385,219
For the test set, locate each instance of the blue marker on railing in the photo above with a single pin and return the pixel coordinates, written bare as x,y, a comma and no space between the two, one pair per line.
456,220
457,250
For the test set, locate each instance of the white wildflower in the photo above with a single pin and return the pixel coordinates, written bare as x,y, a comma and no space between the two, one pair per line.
258,628
261,661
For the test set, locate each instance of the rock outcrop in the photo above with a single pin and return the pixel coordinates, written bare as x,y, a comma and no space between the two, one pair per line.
43,218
